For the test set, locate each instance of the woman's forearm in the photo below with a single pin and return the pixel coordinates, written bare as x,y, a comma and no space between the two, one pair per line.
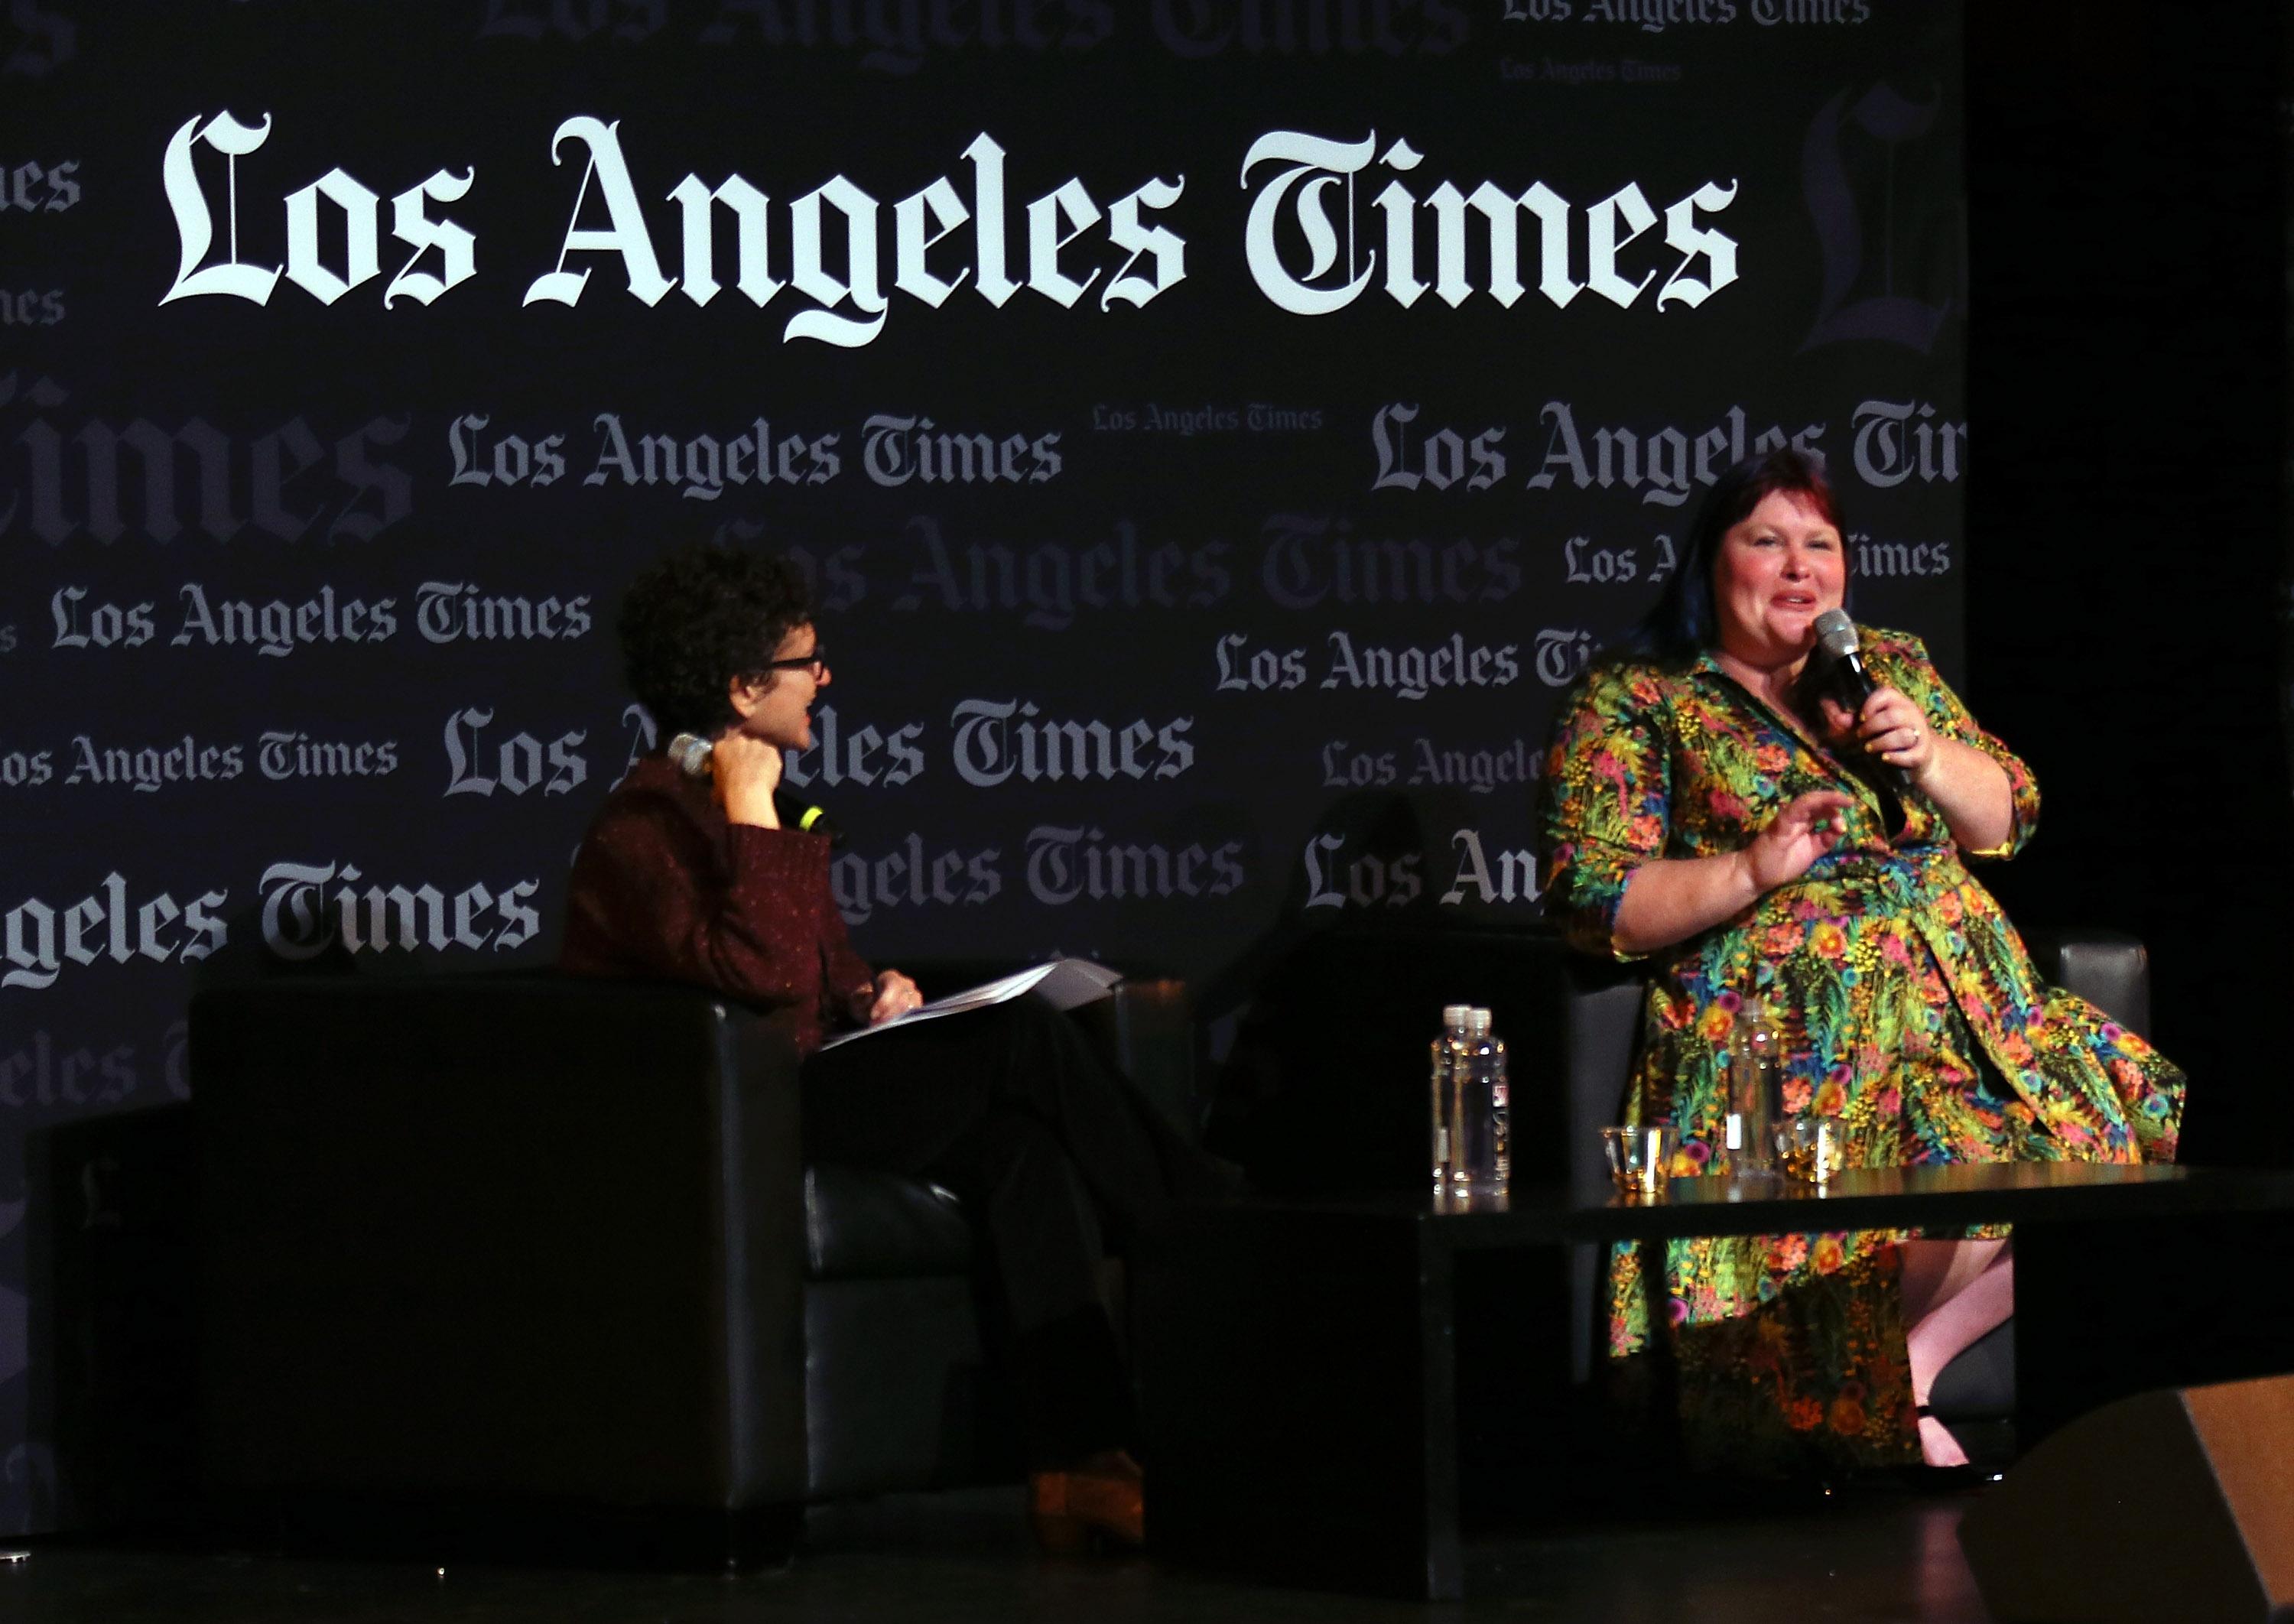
1971,792
1671,899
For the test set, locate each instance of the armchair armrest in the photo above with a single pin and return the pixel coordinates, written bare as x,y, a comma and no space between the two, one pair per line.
1603,1032
501,1237
2109,968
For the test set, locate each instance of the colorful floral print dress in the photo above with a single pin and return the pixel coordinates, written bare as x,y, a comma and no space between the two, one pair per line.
1906,1003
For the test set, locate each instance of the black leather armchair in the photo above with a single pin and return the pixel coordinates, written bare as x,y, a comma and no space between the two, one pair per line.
480,1247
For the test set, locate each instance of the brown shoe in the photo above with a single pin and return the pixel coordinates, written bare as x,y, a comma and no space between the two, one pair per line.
1099,1502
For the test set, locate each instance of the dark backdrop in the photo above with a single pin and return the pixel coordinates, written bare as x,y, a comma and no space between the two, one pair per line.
2127,518
2126,525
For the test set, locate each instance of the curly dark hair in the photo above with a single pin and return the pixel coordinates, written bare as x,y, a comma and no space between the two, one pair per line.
697,619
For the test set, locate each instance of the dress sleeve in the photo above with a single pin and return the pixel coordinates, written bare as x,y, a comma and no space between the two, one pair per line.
649,880
1606,801
1921,682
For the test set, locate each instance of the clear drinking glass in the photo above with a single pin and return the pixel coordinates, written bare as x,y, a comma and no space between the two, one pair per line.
1811,1149
1640,1159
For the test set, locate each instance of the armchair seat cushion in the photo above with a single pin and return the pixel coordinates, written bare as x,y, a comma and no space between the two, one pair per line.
860,1223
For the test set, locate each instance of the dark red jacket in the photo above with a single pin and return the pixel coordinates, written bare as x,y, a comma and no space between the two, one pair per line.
665,888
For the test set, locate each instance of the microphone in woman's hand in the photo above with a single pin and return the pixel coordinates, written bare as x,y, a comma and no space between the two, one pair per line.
798,813
1835,635
689,752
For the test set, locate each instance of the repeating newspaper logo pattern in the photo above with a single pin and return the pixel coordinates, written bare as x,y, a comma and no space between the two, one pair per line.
1206,493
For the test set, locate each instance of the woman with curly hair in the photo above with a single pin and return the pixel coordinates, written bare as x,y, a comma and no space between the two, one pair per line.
698,879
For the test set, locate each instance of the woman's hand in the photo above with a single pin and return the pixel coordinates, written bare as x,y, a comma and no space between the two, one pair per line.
1670,899
747,770
1806,828
1967,786
1890,727
896,995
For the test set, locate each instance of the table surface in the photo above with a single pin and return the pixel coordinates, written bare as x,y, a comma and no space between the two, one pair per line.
1873,1198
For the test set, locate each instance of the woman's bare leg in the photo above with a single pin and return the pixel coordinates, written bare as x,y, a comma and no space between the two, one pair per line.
1955,1292
1936,1270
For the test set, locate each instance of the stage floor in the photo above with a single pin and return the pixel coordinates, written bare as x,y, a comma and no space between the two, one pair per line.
952,1559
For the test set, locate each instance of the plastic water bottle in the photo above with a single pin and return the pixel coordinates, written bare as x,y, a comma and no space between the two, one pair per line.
1447,1049
1476,1124
1501,1125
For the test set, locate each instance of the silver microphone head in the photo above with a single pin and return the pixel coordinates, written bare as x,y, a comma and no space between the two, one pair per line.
1835,634
689,753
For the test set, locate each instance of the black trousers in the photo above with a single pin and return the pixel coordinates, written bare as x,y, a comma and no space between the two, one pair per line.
1054,1154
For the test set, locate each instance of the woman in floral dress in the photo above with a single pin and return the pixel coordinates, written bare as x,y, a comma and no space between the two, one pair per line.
1708,809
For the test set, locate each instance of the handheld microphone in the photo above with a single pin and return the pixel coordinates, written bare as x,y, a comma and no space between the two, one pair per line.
797,813
689,753
1835,634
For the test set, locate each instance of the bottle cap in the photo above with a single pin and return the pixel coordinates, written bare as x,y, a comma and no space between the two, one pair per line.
1454,1015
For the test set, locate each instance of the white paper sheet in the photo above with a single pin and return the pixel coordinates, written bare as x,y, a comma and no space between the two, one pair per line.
1064,984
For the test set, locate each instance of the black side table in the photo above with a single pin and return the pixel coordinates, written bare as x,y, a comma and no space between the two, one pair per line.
1374,1395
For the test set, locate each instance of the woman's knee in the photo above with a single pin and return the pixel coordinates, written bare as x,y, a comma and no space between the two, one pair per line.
1040,1049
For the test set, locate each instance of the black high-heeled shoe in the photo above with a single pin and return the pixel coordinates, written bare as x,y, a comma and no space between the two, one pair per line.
1943,1479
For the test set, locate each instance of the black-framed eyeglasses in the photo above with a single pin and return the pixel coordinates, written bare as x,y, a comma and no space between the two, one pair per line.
816,661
